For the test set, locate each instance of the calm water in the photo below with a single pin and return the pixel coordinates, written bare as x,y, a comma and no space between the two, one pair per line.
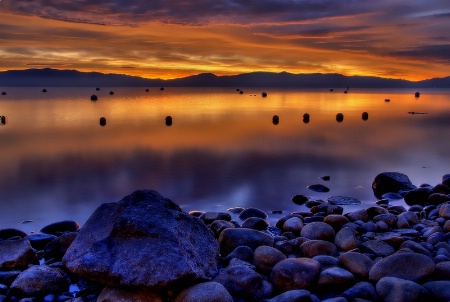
222,149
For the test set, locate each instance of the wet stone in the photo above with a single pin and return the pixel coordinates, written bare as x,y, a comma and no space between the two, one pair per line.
343,200
299,199
252,212
319,188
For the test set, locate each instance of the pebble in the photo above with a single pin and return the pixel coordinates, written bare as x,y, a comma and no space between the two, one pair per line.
380,253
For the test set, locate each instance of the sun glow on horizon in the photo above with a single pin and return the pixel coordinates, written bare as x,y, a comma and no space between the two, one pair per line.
359,44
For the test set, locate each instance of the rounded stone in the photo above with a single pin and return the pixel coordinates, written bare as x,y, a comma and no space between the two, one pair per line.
400,290
313,248
294,273
293,225
230,239
346,240
335,277
318,188
389,218
255,223
40,280
242,252
418,196
378,248
16,254
219,225
326,261
358,215
438,290
409,266
438,198
356,263
210,217
265,258
336,221
318,231
443,270
9,233
241,281
252,212
444,211
205,292
58,228
362,290
390,182
299,199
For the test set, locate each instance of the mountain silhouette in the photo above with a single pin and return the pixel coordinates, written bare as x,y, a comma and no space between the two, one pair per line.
48,77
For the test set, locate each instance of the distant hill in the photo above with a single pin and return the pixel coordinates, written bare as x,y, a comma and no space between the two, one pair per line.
48,77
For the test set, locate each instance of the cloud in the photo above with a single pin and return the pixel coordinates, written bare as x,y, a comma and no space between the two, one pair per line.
433,53
184,12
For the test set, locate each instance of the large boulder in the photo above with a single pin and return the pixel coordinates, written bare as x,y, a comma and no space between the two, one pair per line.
143,240
391,182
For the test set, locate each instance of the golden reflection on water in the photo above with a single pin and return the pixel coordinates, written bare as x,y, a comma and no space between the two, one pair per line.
221,150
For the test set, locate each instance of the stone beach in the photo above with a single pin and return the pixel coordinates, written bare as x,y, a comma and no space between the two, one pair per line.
145,248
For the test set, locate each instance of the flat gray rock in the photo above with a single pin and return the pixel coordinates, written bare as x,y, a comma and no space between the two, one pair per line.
343,200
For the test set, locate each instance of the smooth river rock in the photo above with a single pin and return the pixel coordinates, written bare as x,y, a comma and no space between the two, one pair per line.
409,266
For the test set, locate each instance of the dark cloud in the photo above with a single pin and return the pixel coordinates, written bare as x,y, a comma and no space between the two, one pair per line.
179,11
430,53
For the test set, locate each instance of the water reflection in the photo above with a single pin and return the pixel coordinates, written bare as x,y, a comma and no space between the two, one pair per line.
102,121
223,152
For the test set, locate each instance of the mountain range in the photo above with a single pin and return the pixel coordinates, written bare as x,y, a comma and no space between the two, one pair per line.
48,77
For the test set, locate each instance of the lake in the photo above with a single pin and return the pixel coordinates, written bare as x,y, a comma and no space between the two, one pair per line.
222,149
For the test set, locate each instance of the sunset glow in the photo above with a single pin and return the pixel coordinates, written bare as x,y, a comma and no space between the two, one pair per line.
158,39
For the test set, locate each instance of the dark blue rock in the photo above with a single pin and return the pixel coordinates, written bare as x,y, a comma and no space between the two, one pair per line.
299,199
252,212
391,182
343,200
418,196
319,188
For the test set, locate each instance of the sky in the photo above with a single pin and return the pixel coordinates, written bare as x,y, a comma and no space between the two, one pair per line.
407,39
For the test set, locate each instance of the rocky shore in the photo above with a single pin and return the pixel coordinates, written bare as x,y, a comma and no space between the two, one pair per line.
145,248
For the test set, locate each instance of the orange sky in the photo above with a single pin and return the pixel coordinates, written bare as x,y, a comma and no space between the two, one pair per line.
407,39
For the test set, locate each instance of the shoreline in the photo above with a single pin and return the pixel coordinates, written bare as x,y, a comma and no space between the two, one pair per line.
318,254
